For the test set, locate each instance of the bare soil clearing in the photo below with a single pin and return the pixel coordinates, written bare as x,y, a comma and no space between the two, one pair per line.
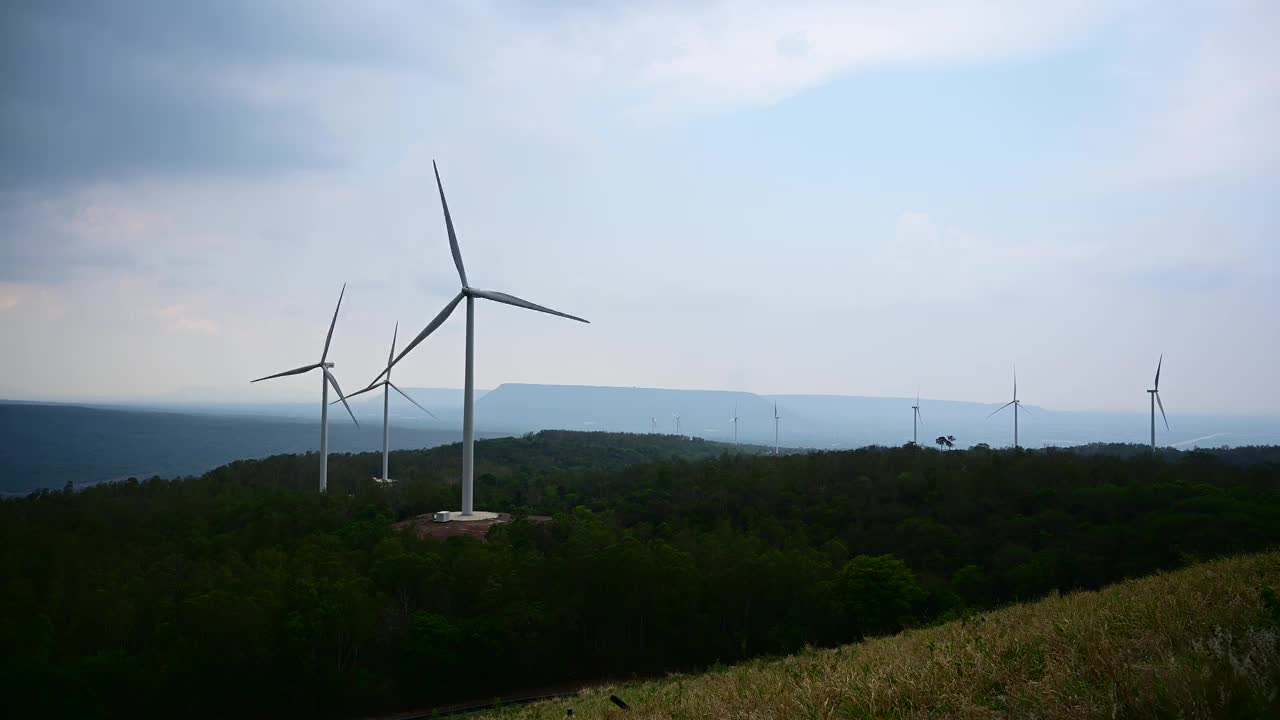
425,527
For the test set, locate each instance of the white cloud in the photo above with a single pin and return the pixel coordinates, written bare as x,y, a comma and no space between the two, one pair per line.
735,54
664,60
1204,93
179,318
661,250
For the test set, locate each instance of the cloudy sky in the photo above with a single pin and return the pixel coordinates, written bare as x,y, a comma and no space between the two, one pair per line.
855,198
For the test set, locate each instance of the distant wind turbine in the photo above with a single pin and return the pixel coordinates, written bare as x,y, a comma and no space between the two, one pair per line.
734,420
1016,403
776,417
387,386
916,419
1155,400
653,425
468,393
677,417
325,381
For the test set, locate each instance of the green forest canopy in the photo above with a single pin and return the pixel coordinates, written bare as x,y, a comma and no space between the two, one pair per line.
244,592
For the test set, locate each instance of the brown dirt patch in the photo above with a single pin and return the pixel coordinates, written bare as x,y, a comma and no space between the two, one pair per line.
424,527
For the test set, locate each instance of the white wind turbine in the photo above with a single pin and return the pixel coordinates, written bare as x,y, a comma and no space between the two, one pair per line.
387,386
916,420
325,381
468,393
653,425
1155,399
734,420
776,417
677,417
1016,403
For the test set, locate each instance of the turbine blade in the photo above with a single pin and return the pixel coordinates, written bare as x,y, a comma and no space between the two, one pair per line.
334,382
1166,419
1158,364
334,321
993,412
415,402
394,333
374,386
513,300
919,416
436,322
448,223
295,371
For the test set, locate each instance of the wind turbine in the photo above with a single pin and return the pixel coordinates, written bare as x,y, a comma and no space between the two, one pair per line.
1016,403
325,381
776,416
468,393
653,425
1155,399
677,417
916,420
734,420
387,387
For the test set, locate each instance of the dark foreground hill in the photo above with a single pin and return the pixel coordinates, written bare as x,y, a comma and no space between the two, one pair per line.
245,593
1202,642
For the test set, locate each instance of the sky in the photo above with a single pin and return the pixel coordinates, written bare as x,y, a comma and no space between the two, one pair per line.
863,198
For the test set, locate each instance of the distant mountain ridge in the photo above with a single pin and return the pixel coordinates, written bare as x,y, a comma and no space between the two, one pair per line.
824,421
44,444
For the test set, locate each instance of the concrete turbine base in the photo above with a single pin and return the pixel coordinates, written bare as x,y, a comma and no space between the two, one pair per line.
457,516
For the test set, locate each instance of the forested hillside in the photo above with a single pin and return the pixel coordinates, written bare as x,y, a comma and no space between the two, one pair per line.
246,593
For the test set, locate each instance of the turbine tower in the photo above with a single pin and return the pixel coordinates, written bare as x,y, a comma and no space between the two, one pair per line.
325,381
916,420
776,417
734,420
1155,400
677,417
1016,403
653,425
468,393
387,387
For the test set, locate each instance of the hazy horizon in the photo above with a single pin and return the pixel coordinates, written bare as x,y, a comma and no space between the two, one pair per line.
299,396
817,198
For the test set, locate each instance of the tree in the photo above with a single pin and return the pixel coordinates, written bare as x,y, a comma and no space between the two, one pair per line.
876,594
946,441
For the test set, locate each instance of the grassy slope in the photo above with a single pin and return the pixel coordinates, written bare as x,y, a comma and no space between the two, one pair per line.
1192,643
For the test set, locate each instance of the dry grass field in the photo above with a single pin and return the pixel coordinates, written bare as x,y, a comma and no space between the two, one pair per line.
1201,642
